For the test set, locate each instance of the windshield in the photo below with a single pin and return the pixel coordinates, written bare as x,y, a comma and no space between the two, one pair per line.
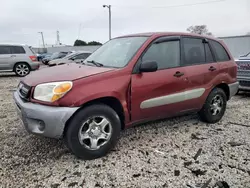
54,55
70,55
117,52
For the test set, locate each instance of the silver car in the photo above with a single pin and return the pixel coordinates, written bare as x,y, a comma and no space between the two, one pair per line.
70,58
17,58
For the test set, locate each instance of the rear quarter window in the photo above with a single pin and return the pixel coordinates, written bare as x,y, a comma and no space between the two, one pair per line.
17,50
219,51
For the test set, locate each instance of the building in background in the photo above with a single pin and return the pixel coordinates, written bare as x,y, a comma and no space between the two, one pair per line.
238,45
72,48
65,48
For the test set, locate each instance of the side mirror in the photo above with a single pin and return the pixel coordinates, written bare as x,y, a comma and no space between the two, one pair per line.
148,66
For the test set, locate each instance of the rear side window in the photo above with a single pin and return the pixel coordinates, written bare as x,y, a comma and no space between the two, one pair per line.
17,50
5,50
194,51
166,54
220,52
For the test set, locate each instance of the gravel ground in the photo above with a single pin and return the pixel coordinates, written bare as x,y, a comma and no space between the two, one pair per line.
179,152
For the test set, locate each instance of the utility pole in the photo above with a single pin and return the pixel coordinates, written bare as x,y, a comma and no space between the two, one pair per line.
109,7
58,38
42,39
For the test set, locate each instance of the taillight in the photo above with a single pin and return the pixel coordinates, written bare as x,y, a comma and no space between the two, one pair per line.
33,58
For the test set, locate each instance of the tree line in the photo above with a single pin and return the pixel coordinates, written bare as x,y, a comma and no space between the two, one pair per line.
84,43
202,30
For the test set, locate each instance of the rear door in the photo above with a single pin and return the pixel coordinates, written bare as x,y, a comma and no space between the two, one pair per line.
5,57
18,55
201,67
160,93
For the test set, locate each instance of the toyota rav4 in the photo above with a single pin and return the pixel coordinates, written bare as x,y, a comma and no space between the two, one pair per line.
129,80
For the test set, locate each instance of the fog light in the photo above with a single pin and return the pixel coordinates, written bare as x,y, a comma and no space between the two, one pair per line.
41,126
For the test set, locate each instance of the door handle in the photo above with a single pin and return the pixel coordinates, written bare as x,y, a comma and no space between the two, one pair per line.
12,56
212,68
178,74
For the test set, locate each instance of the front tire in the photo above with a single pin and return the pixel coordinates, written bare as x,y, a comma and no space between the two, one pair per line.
22,69
93,131
214,107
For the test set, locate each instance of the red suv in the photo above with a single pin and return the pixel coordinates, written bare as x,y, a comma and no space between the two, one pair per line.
128,80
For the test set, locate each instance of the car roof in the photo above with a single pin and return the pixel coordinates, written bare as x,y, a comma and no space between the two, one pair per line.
83,52
159,34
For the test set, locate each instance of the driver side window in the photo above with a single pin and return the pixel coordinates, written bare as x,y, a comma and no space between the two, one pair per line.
165,54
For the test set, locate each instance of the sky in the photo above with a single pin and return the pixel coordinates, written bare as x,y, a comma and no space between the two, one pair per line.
21,20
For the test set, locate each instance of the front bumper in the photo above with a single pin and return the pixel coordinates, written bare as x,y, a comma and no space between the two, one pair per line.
244,83
43,120
233,89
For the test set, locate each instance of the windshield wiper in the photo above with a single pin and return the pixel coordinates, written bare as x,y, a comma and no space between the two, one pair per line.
95,63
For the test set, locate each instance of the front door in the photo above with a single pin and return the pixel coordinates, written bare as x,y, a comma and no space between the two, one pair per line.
160,93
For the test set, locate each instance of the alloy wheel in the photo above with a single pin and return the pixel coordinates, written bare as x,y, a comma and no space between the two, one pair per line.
95,132
216,105
22,69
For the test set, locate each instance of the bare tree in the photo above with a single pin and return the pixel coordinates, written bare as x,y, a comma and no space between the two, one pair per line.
199,29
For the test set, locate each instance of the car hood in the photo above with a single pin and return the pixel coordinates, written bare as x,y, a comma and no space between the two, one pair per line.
57,61
244,58
67,72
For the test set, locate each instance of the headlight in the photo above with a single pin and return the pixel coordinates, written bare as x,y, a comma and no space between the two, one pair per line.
50,92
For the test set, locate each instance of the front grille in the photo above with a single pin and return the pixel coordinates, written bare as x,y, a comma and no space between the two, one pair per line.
24,91
243,73
243,65
245,83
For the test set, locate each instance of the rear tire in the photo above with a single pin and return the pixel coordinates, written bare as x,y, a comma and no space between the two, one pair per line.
22,69
214,107
93,132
